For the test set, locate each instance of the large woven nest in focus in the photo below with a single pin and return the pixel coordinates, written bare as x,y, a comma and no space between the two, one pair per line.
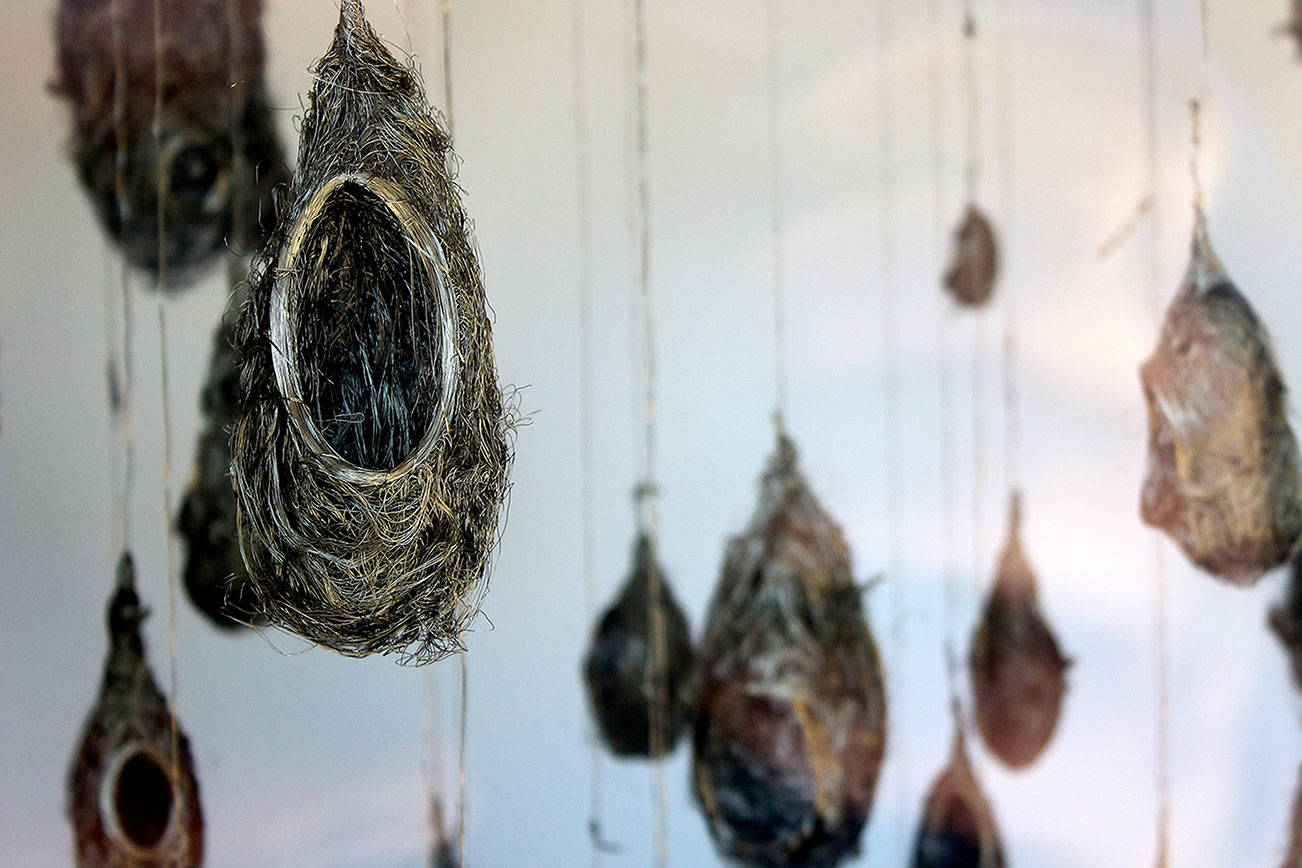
371,452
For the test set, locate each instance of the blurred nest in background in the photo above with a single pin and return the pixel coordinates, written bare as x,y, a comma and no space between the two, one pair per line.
371,452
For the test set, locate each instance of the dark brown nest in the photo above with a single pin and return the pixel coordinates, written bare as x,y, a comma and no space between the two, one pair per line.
132,801
791,714
640,697
214,574
371,451
217,158
1222,476
974,260
1018,673
1286,620
958,828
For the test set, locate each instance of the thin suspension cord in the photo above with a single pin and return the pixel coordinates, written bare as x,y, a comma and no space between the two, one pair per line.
1004,146
586,493
463,733
979,327
890,382
163,385
122,401
648,493
1152,268
777,219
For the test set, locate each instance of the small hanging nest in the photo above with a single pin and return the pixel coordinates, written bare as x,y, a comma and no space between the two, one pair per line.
217,158
370,455
214,574
958,827
791,713
640,697
1286,620
1222,477
974,261
131,800
1018,673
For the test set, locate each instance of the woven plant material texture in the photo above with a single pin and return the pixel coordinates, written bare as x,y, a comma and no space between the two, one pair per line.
639,696
213,572
1018,672
1222,475
217,158
371,450
132,801
791,724
958,827
974,260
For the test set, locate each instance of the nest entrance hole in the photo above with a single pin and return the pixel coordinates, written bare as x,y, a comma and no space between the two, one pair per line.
142,801
368,337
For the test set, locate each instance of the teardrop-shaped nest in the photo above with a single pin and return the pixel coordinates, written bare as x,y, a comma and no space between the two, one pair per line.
370,456
217,159
640,696
1286,620
132,801
214,574
1018,672
791,711
974,260
1222,477
958,827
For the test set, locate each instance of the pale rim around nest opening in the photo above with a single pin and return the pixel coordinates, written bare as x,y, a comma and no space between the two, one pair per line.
108,809
421,239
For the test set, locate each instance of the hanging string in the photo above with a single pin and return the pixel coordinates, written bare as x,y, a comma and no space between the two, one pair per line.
777,220
1152,268
122,387
1004,147
647,494
586,494
890,382
972,167
173,643
945,398
462,657
979,329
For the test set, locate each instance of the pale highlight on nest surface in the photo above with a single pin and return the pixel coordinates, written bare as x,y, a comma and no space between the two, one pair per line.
371,452
1222,477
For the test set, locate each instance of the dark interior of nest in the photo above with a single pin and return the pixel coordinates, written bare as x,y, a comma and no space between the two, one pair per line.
142,800
368,331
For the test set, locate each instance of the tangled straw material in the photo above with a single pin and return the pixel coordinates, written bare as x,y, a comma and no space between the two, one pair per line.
215,158
371,452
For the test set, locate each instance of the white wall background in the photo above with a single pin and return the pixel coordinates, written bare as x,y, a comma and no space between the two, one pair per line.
312,759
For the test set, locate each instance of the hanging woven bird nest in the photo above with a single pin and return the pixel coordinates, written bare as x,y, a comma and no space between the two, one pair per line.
132,801
217,157
958,827
1222,477
791,712
1018,673
639,696
370,455
1286,620
215,578
974,261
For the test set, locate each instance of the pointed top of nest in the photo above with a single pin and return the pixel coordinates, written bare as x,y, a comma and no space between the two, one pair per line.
1205,270
125,614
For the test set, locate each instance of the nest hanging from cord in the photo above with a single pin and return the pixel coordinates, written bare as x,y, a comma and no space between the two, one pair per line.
214,574
1018,672
217,158
958,827
791,711
130,799
370,456
974,260
640,698
1222,477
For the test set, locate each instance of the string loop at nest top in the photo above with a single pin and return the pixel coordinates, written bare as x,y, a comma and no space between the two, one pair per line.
370,455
